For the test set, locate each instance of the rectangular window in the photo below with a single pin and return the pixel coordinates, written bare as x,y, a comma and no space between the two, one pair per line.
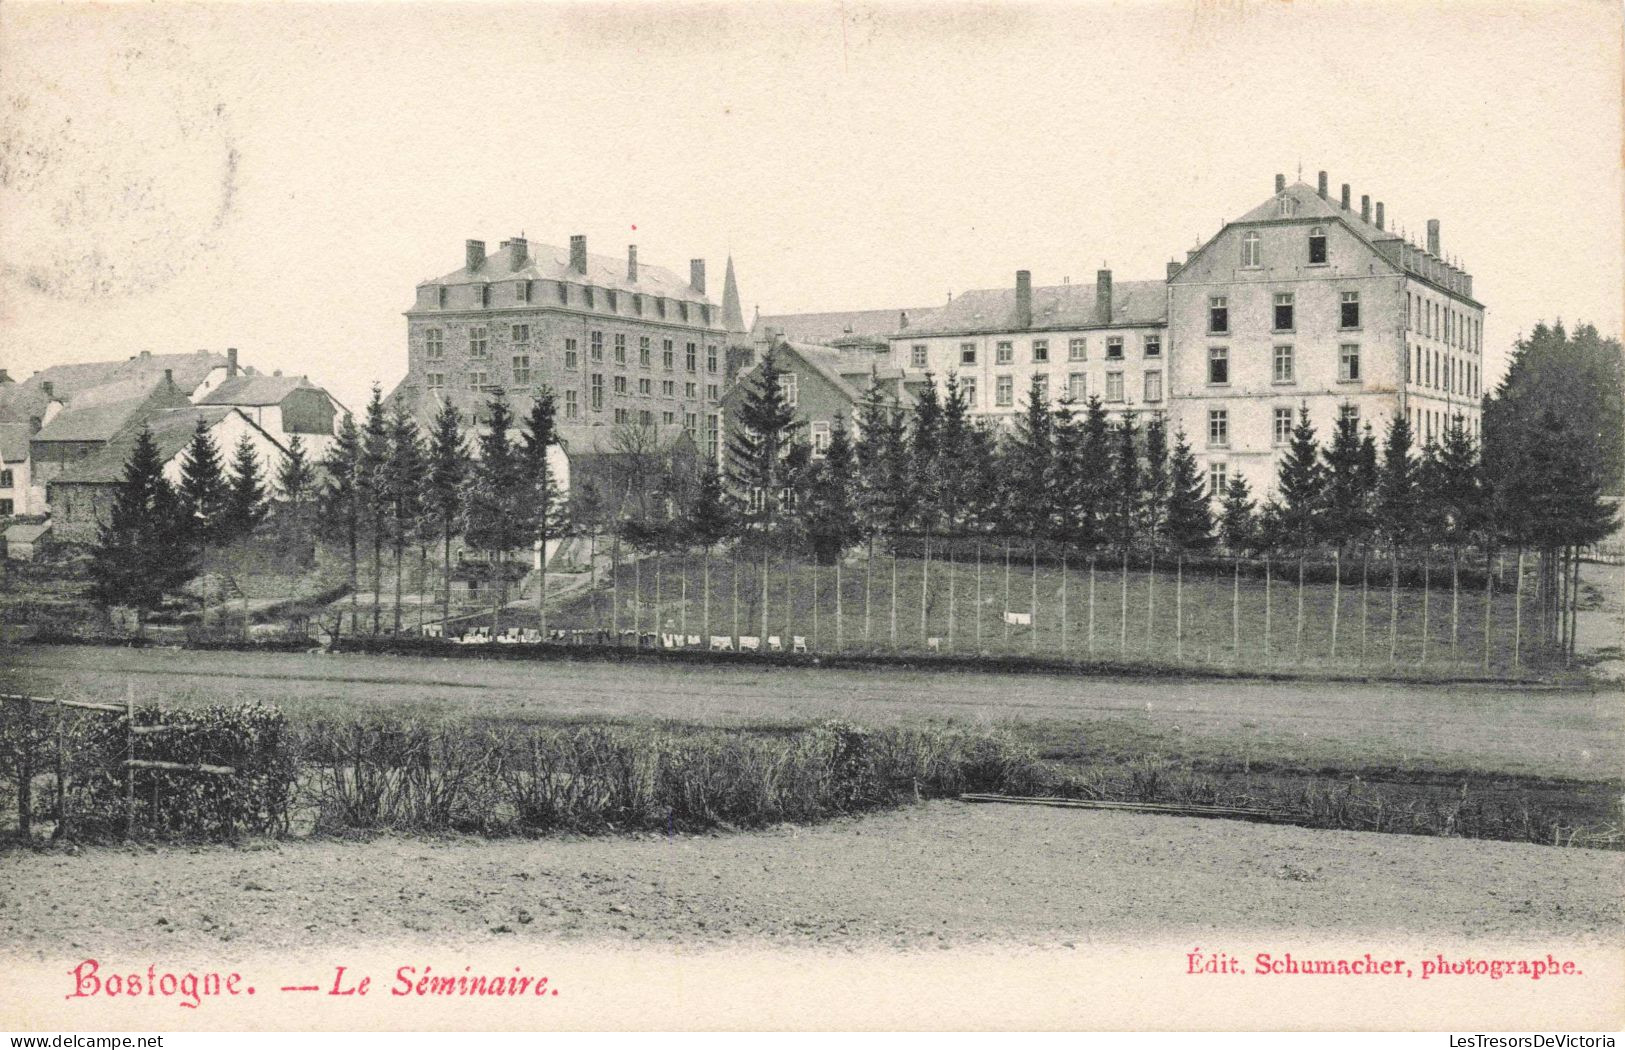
1218,315
1218,365
7,508
434,344
1114,348
597,392
645,353
571,408
521,370
691,359
1350,317
668,388
646,418
1218,427
710,391
637,304
444,296
622,416
691,425
485,295
691,390
1153,386
1283,311
1153,346
917,355
711,357
1041,389
572,357
967,390
520,333
477,341
435,380
1040,351
612,298
479,380
1348,363
564,293
620,348
1077,386
668,355
967,353
521,291
1317,245
820,439
595,341
1218,480
1349,412
789,388
668,418
713,436
645,387
1077,349
1003,391
620,384
1282,433
1251,249
1004,353
1283,364
1114,387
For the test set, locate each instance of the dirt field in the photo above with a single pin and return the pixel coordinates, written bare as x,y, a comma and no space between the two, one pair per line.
1569,733
941,874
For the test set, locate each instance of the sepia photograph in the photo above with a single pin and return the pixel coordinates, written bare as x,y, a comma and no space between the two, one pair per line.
807,516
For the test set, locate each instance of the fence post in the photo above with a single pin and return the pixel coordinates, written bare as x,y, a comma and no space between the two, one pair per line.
637,602
1122,624
705,600
1365,573
1426,565
1063,603
1297,645
1455,608
1179,609
614,589
129,759
868,586
1517,618
659,624
1006,616
1393,609
1091,606
839,557
814,571
951,599
894,594
25,774
925,590
1235,611
1151,599
735,595
61,778
1268,607
1489,604
764,590
1034,603
978,596
1337,596
683,597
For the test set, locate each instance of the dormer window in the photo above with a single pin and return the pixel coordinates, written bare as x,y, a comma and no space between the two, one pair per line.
564,293
485,295
587,291
682,310
443,296
613,299
1252,253
1288,206
521,291
1317,245
637,304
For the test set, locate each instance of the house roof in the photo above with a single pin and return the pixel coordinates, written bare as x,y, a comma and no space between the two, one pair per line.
255,390
22,402
1062,306
171,430
14,442
826,328
97,413
546,262
189,370
1309,204
26,531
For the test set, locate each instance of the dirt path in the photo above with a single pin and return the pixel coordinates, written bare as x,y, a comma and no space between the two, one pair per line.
938,875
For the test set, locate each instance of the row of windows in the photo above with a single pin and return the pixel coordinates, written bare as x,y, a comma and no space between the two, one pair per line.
1284,314
1282,420
1430,425
481,381
1437,320
524,291
1283,364
1004,351
1252,248
1077,388
434,348
1442,372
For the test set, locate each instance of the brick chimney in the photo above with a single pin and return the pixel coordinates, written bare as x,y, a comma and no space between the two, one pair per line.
631,262
5,377
48,387
1103,296
521,252
1321,186
1280,183
902,322
578,252
1345,196
1173,269
231,362
1024,299
696,275
473,255
169,377
1365,207
1379,215
1433,237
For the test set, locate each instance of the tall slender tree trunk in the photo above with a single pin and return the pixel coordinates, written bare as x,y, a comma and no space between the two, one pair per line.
400,557
445,597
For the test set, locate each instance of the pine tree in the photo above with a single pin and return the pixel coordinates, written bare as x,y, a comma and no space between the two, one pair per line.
1397,496
1301,481
1238,521
246,503
340,521
296,483
1094,474
1028,466
497,500
711,517
548,513
925,455
1126,486
447,475
830,515
203,492
1188,521
1453,484
1156,482
142,553
1347,499
762,446
403,491
372,485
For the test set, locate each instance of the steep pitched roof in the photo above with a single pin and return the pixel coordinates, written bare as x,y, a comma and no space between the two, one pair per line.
171,430
98,413
826,328
1062,306
13,442
189,370
1307,203
733,318
22,402
545,262
255,390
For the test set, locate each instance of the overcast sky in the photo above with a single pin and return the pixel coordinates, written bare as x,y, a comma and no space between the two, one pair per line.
279,178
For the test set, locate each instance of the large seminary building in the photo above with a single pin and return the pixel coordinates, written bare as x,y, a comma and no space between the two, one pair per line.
1305,300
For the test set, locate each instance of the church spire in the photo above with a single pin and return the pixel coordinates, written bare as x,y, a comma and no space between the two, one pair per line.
733,319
